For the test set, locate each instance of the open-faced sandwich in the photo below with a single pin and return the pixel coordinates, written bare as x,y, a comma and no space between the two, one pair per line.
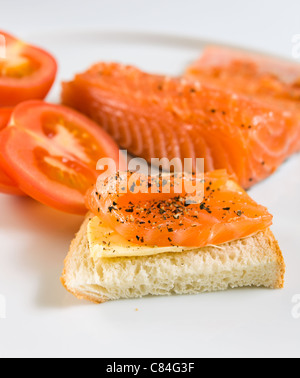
135,242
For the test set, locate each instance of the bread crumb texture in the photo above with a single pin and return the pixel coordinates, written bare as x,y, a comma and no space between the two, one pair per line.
254,261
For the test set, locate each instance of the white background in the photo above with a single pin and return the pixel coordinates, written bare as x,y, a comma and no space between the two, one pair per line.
44,320
263,24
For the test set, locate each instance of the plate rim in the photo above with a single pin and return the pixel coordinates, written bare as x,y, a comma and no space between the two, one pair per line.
163,38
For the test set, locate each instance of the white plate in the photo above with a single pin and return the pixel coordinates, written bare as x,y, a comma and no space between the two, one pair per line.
42,319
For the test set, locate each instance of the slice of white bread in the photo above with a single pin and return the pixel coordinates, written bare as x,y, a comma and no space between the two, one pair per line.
254,261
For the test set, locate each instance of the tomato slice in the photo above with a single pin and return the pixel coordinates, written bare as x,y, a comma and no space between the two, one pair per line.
26,73
224,213
52,152
5,114
7,185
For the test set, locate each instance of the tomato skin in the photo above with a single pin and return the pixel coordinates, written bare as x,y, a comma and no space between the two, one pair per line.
5,114
52,162
14,90
7,186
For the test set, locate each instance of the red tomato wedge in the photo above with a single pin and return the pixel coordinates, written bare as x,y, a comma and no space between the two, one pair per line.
225,213
7,186
26,73
52,152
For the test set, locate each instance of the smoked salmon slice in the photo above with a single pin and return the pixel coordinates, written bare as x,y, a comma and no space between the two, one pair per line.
224,212
258,76
154,116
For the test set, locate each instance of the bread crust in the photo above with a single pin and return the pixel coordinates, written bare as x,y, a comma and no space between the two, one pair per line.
280,260
80,294
74,245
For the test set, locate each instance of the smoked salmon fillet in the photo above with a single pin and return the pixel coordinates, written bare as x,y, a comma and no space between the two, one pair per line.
258,76
154,116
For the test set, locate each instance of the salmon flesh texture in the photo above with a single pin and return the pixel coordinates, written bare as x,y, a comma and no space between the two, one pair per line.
155,116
